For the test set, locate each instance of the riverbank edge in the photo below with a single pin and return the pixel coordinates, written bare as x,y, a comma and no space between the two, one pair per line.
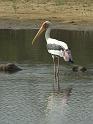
35,24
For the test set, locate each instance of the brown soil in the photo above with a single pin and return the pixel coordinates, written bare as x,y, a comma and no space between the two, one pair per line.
74,13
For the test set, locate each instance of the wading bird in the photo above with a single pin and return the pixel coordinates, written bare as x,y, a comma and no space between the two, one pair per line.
56,48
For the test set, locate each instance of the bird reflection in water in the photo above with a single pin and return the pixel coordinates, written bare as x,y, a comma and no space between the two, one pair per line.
57,105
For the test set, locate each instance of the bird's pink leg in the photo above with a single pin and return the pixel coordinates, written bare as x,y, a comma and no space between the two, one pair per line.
58,86
55,78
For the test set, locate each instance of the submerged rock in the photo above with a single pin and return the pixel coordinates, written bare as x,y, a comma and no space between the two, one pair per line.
77,68
10,67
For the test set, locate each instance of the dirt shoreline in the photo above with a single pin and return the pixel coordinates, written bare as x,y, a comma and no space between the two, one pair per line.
35,24
30,15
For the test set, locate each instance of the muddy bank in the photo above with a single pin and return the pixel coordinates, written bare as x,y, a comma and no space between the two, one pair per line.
35,24
29,14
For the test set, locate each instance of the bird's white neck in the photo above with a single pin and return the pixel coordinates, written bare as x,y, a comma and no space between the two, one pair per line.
47,33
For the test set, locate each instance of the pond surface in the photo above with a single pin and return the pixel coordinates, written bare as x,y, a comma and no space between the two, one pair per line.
27,97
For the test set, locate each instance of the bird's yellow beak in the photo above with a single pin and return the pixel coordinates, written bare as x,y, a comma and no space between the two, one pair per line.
41,30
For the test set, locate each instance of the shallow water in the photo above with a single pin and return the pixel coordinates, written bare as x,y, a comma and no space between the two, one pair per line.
27,97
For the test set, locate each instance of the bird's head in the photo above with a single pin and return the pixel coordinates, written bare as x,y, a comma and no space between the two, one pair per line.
67,55
43,28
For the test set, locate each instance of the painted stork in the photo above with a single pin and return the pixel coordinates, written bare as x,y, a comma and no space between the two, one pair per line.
56,48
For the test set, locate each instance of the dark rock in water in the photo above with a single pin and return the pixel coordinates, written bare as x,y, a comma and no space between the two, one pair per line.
10,67
77,68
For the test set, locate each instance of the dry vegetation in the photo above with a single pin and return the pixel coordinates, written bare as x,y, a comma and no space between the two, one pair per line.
71,11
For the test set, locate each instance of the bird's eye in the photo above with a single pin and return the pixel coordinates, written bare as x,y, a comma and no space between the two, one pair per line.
45,25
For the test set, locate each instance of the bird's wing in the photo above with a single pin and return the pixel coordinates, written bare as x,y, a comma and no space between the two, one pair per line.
56,44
